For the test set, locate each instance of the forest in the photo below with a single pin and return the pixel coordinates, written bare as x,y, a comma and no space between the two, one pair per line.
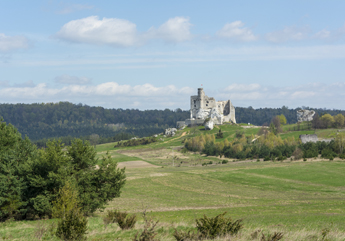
65,120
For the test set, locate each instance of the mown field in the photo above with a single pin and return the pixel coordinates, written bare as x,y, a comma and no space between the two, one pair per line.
305,200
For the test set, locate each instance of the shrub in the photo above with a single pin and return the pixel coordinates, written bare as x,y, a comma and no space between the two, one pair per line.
272,237
267,158
218,226
121,218
225,161
327,153
149,233
298,154
187,235
73,226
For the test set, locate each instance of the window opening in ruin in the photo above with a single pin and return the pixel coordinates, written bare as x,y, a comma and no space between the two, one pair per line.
194,105
206,104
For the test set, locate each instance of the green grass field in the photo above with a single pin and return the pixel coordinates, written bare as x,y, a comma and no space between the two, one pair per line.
300,199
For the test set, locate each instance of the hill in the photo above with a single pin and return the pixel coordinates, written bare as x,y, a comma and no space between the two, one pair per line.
65,120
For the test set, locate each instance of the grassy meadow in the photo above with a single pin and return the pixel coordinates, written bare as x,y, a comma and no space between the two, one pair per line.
305,200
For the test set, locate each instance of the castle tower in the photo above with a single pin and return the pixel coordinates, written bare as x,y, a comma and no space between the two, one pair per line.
201,96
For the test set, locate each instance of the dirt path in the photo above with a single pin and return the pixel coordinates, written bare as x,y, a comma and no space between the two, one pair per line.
183,134
135,164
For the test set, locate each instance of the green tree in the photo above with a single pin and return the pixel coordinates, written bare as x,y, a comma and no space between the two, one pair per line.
327,120
66,201
282,119
340,142
72,224
339,120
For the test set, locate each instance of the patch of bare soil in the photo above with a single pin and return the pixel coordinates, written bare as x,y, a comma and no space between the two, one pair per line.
246,127
183,134
135,164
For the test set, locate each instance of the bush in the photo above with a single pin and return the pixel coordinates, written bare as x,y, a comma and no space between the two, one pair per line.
329,154
73,226
187,235
298,154
272,237
267,158
225,161
149,233
121,218
218,226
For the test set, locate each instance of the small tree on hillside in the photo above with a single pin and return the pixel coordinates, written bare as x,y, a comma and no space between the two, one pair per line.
327,120
282,119
339,120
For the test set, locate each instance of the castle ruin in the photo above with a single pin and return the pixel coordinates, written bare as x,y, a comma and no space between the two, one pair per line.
203,107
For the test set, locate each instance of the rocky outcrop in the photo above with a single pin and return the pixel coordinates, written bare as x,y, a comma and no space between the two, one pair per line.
305,115
170,131
209,125
181,125
308,138
202,114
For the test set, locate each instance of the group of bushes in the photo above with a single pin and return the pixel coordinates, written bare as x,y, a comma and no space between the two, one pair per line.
30,178
268,147
136,142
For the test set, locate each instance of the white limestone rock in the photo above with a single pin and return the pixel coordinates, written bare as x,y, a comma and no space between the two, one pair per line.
209,125
170,131
202,114
305,115
216,116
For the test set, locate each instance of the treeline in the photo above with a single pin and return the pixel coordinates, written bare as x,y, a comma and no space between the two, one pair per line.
63,119
94,139
53,120
268,147
263,116
137,142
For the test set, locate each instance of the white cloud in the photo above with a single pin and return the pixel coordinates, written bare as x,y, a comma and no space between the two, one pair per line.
174,30
121,32
316,95
148,96
331,35
323,34
290,33
10,43
70,8
110,94
243,87
4,83
72,80
28,83
92,30
237,32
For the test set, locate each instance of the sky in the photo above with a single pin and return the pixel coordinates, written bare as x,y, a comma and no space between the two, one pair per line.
155,54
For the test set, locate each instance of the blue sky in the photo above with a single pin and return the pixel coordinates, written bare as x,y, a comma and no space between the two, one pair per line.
155,54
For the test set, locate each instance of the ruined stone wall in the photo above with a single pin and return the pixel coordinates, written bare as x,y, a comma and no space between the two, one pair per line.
308,138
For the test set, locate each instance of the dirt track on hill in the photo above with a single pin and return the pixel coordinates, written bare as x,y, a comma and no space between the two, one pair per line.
135,164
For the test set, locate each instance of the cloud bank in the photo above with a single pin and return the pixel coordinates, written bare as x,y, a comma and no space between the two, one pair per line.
11,43
121,32
148,96
236,31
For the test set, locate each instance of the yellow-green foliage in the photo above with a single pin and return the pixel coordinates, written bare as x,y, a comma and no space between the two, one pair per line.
339,120
340,142
282,119
327,119
271,140
66,201
198,143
